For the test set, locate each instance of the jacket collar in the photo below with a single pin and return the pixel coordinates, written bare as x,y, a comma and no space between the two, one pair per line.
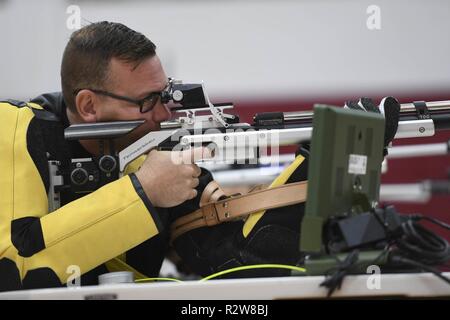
54,103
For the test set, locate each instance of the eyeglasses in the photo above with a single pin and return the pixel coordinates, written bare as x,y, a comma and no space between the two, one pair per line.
145,105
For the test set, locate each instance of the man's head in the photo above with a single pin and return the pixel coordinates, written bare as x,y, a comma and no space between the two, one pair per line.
109,58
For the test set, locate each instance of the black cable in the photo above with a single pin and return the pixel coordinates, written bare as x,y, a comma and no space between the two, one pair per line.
411,244
413,263
421,248
437,222
423,245
417,217
334,281
335,276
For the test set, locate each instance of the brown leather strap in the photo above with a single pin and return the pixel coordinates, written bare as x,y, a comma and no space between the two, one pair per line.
211,193
258,187
231,208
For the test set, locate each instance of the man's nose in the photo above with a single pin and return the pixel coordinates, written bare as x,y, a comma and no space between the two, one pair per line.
161,113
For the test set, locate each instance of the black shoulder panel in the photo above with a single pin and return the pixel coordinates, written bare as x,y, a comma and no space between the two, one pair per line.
17,103
45,141
52,102
45,115
36,146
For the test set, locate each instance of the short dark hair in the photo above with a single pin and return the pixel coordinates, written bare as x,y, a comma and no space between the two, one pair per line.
87,55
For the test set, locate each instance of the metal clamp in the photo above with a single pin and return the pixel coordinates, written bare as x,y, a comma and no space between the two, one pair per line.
422,110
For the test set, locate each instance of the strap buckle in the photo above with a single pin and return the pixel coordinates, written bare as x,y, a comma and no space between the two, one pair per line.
210,215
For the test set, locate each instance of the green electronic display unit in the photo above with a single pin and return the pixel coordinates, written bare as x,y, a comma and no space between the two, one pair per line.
344,174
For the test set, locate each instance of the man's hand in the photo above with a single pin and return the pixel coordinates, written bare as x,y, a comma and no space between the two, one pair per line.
170,177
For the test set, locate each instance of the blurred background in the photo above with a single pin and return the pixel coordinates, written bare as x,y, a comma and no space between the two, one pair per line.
263,55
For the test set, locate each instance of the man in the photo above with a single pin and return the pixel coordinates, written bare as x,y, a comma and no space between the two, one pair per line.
109,73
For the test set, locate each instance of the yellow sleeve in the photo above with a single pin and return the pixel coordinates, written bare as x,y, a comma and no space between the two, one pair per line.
85,233
94,229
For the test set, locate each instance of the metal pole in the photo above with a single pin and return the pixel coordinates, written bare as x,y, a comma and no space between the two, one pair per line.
433,106
421,150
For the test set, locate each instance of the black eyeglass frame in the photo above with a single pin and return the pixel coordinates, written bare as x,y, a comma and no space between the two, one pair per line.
153,97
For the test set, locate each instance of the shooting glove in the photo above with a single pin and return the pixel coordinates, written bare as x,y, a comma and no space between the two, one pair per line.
389,107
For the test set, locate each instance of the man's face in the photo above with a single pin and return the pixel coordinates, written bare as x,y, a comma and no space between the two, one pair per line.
136,82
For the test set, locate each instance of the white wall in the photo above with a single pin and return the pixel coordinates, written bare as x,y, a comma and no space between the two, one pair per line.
247,49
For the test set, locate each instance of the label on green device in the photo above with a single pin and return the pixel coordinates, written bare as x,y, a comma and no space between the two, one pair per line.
357,164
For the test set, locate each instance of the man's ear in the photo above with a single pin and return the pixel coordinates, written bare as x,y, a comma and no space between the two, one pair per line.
85,103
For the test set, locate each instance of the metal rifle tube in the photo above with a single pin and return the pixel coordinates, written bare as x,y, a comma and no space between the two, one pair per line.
405,108
433,106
